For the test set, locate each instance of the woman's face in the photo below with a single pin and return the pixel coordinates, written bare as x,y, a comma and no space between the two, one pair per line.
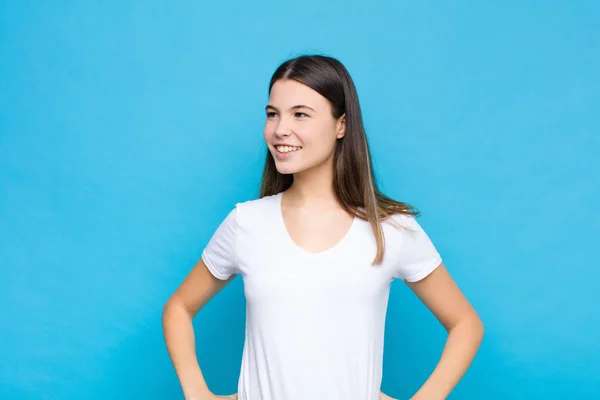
300,131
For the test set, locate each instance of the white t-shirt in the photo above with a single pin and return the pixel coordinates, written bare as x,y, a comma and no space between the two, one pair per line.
314,321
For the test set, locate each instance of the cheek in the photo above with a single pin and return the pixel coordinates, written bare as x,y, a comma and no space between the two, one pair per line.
268,132
310,135
317,140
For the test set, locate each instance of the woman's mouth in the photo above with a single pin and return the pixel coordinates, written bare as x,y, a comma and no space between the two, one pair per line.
286,151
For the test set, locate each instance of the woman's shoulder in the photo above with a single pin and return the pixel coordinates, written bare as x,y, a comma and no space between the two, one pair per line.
401,226
266,202
403,220
256,211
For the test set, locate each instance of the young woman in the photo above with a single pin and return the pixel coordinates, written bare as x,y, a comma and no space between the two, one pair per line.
317,253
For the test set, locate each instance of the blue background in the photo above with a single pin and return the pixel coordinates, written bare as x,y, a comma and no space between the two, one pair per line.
128,130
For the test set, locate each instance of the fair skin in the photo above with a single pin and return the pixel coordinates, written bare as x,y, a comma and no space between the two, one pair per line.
301,118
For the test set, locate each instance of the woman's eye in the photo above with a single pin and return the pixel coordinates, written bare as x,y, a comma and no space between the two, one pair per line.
301,115
270,114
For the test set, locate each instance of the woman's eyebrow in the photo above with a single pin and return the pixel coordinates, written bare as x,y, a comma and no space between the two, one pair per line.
291,108
301,106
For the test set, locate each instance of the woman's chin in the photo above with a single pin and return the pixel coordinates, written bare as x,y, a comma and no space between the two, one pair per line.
286,169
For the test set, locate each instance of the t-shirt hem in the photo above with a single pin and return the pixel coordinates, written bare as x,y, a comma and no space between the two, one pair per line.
425,271
213,270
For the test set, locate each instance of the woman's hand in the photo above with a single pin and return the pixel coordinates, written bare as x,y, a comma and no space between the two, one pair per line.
215,397
384,396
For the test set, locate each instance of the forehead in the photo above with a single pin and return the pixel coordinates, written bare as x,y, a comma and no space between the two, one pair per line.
288,93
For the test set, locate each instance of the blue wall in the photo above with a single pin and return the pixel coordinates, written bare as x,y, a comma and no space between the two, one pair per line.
129,129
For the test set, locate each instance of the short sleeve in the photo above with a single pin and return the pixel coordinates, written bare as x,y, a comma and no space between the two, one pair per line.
417,256
219,253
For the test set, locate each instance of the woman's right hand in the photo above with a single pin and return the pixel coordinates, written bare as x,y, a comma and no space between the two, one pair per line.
215,397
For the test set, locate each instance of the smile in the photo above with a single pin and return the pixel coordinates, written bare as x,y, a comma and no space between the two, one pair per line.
287,149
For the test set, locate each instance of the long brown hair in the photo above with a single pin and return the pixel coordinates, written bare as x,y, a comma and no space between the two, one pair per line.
353,178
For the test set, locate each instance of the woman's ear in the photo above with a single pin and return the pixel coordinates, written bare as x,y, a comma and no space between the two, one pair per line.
341,127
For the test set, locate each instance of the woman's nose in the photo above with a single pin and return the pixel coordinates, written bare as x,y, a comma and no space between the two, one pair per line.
283,129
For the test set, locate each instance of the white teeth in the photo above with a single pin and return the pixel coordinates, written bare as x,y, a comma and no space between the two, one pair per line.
287,149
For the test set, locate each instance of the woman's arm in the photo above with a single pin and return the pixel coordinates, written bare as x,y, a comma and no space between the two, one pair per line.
195,291
443,298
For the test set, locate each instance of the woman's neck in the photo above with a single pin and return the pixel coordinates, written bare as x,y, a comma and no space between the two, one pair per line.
313,188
